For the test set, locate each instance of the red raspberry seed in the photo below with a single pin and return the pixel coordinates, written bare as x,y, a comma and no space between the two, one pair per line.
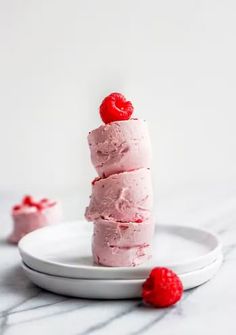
115,107
162,288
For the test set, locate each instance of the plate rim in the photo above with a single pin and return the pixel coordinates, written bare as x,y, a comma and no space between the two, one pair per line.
185,278
217,261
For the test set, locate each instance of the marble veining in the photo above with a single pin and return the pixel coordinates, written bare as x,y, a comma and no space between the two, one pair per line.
208,309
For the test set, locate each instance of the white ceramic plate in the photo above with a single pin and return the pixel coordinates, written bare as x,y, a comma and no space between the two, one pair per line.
112,289
64,250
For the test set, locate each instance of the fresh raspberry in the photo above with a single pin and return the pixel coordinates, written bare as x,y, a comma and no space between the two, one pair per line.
28,200
43,203
115,108
162,288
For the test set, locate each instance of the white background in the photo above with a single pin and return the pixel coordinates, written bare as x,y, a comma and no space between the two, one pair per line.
176,61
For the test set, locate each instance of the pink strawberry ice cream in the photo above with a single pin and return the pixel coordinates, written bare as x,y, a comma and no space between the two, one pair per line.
117,257
120,146
121,200
122,234
31,215
125,197
116,243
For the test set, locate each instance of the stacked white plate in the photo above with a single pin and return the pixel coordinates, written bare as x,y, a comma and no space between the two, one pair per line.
58,259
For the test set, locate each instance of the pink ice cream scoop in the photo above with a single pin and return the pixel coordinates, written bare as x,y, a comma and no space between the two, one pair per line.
120,146
31,215
122,235
125,197
118,257
122,244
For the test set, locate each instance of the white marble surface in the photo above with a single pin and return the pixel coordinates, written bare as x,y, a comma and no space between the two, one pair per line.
209,309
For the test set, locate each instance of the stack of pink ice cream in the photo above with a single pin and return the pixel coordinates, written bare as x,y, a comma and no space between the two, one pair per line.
121,201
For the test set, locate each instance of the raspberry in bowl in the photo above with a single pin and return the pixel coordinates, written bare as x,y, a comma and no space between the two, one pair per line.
30,215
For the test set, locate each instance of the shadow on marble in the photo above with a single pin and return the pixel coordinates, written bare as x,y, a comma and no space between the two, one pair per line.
15,279
3,243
